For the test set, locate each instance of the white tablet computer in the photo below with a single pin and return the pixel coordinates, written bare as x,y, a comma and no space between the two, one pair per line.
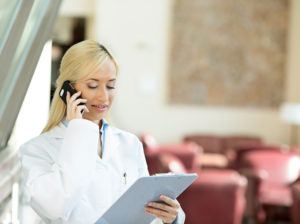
129,208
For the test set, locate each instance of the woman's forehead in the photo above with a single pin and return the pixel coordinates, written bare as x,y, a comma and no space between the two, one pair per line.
106,71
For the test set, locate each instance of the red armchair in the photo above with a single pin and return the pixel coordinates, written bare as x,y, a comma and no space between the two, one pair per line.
212,148
216,197
148,141
187,152
233,142
270,174
219,151
209,143
220,144
235,156
170,163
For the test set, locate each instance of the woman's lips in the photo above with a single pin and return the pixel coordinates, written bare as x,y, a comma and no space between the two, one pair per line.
100,108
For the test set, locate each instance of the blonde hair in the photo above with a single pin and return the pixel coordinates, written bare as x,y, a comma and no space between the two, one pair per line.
80,60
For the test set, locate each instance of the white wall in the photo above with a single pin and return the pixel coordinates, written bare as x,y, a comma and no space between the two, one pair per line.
138,32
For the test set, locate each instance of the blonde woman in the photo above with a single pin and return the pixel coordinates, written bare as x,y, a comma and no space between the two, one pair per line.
80,164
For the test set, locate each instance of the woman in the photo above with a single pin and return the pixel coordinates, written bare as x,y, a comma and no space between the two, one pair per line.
80,165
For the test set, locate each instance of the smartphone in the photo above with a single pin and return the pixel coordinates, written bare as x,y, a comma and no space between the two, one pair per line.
66,87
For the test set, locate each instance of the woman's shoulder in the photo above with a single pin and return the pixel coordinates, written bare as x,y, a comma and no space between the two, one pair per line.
37,141
39,144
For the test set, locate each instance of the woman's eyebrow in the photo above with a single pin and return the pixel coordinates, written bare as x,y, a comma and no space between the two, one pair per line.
97,80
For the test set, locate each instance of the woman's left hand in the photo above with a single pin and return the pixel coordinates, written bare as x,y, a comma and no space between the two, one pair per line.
167,211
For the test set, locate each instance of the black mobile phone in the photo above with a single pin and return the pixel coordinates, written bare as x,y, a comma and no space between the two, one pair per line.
66,87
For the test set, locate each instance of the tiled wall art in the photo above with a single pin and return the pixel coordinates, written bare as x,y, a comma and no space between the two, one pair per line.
228,53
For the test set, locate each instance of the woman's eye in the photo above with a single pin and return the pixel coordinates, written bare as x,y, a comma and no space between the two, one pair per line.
110,87
92,87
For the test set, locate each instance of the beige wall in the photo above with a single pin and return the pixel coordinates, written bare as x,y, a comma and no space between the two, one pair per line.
293,65
76,7
138,33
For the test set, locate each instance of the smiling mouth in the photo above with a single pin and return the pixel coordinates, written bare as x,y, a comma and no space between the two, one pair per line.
100,108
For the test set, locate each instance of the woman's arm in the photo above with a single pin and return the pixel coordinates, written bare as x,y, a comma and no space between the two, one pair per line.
53,188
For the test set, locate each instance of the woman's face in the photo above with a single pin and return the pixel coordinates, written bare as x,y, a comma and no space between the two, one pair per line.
99,90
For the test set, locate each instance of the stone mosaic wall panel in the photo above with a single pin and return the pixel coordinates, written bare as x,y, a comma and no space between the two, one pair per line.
228,53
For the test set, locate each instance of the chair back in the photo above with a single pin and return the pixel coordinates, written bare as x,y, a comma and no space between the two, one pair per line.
148,141
282,167
209,143
170,163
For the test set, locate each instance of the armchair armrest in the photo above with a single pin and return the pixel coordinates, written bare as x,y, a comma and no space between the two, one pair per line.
255,178
255,174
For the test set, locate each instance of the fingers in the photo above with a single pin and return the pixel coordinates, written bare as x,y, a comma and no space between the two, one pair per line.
68,97
164,207
165,216
166,211
173,203
80,100
80,108
75,95
73,107
73,102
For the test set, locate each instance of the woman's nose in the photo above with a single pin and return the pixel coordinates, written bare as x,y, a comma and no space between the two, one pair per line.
102,94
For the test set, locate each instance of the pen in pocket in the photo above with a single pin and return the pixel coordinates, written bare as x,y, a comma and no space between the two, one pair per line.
125,177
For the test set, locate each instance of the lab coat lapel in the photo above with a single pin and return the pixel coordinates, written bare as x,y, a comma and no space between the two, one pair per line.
113,150
111,144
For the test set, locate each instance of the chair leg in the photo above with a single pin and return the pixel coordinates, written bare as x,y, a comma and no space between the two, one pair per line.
249,221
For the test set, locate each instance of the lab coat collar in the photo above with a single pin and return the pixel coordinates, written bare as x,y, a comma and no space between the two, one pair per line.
59,130
104,123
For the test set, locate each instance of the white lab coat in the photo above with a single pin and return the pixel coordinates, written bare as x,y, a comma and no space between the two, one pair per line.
65,181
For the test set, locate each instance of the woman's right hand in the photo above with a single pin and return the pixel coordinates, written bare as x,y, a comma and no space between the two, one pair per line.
73,110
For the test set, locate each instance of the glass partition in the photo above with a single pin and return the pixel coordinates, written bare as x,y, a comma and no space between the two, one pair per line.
29,33
8,12
26,26
18,65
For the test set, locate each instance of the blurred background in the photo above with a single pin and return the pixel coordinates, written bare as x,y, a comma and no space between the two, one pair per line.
208,86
